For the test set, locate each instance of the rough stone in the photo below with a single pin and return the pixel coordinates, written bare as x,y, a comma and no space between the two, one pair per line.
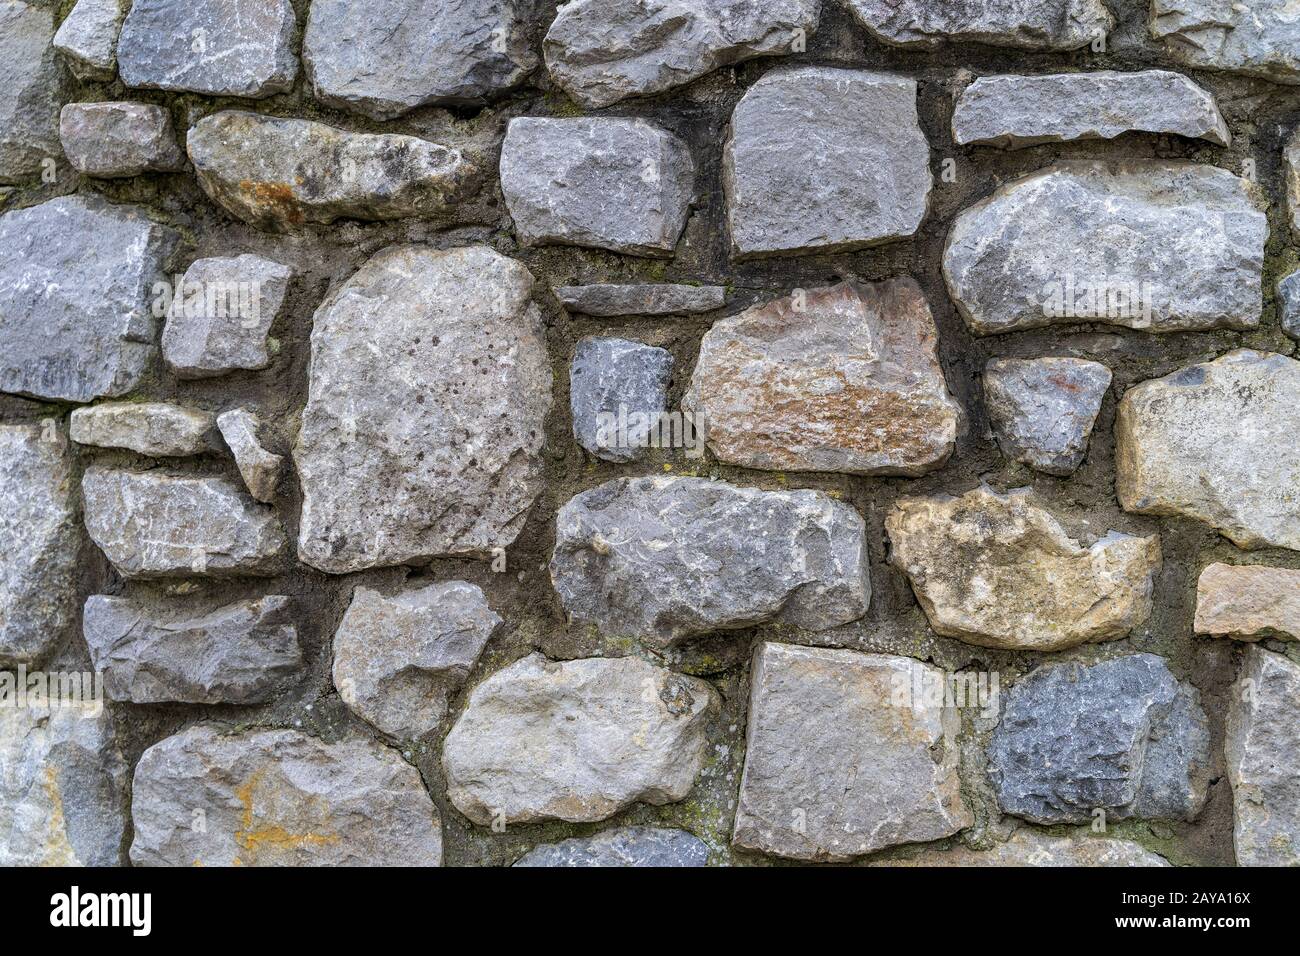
1248,602
1261,747
41,540
279,173
668,558
1025,24
75,286
384,58
87,39
150,428
259,468
31,88
845,378
1018,111
152,524
280,798
1030,848
576,740
62,786
1260,38
1042,410
1216,442
242,653
603,51
617,391
221,314
609,299
398,658
835,765
1107,242
1122,736
999,571
1288,296
1291,176
608,183
867,183
111,140
430,387
623,846
218,47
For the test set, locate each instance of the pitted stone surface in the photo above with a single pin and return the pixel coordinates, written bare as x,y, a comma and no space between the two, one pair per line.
259,468
867,183
1262,748
150,428
1122,736
31,86
1107,242
576,740
217,47
119,139
280,798
242,653
87,39
76,283
1030,848
617,391
153,524
1248,602
1043,410
1260,38
835,766
622,846
1018,111
280,173
669,558
1216,442
603,51
845,378
1026,24
41,540
430,386
398,658
611,299
1000,571
384,58
1288,300
608,183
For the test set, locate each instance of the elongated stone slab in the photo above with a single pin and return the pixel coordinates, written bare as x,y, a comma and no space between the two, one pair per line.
1248,602
1031,848
622,846
149,428
611,299
1260,38
1026,24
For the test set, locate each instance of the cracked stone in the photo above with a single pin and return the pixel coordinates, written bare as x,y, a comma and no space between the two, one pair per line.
87,39
1043,410
1260,38
31,90
259,468
1024,24
111,140
610,299
622,846
617,391
149,428
1248,602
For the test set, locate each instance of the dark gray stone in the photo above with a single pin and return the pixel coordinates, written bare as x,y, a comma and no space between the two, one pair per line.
617,391
1042,410
31,89
623,846
610,299
111,140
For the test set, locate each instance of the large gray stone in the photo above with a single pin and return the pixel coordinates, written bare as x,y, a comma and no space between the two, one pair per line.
1216,442
242,653
159,429
1000,571
612,299
1260,38
576,740
41,540
31,87
1122,736
1108,242
1031,848
279,798
1262,748
844,378
259,468
668,558
62,786
603,51
867,182
217,47
152,524
1248,602
387,57
1026,24
622,846
87,39
1042,410
1017,111
609,183
280,173
835,766
618,391
119,139
430,387
75,283
398,658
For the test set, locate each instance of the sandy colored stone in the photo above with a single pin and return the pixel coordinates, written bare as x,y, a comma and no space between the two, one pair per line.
1248,602
159,429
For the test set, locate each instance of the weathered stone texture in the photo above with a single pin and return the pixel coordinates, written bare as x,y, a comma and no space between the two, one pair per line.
1288,301
1031,848
1027,24
1248,602
87,38
1043,410
1260,38
576,740
845,378
611,299
150,428
116,140
31,86
259,468
617,391
623,846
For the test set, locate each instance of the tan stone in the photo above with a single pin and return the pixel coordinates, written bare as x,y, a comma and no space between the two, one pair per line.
1000,571
1248,602
844,378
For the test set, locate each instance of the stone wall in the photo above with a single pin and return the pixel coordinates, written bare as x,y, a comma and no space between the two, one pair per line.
994,371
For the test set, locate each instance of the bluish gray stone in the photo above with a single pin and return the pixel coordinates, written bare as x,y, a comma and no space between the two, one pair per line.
1042,410
617,391
623,846
1288,302
31,88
